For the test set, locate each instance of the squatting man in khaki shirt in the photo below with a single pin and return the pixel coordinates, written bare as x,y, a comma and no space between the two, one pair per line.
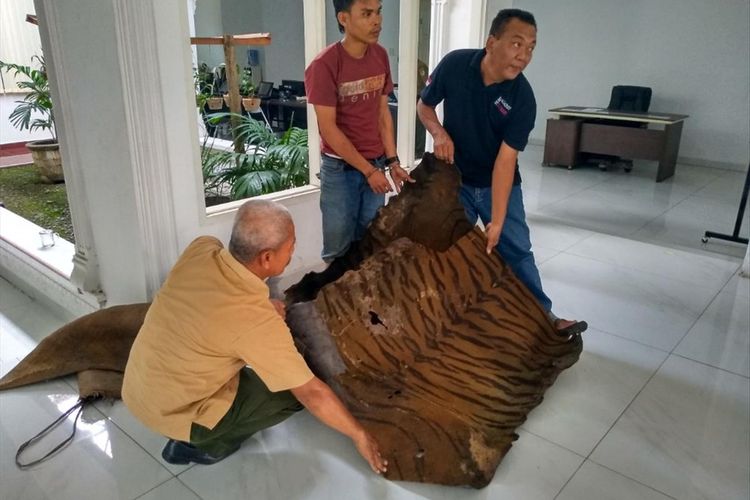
187,376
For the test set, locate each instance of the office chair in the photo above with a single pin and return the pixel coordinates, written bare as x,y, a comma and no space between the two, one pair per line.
265,89
630,98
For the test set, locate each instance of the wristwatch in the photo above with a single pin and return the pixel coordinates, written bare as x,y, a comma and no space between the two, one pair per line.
392,159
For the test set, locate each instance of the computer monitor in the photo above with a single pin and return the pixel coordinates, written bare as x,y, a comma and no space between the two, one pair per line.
296,87
265,89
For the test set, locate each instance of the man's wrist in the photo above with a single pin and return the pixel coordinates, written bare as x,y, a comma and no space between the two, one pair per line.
391,160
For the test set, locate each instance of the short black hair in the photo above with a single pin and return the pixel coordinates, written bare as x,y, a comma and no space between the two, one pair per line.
341,6
504,16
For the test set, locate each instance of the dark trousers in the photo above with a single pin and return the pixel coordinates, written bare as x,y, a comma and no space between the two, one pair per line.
254,408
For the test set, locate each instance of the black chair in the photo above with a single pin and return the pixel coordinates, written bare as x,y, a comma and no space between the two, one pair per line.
265,89
629,98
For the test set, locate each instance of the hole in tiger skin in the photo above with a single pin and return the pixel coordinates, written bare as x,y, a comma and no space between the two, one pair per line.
375,319
397,392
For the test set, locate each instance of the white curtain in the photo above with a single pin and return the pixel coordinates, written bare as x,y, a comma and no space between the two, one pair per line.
19,40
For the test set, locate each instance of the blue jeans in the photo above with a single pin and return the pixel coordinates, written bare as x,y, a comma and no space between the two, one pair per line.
347,203
515,243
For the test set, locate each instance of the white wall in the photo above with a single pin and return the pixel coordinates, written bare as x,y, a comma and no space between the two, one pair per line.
284,59
694,54
208,23
10,134
493,7
388,35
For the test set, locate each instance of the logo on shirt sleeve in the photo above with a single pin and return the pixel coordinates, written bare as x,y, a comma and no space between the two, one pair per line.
363,89
502,106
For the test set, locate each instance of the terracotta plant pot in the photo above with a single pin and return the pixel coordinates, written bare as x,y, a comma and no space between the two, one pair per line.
251,104
46,155
215,103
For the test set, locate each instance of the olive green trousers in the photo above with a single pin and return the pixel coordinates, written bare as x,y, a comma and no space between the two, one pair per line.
254,408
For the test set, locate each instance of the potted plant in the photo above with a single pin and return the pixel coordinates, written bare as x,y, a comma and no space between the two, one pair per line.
202,81
205,89
269,163
250,100
34,112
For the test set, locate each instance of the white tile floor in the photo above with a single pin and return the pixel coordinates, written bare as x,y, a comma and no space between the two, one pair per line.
658,406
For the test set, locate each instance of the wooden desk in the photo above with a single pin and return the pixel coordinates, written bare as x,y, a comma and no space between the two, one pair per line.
280,113
600,131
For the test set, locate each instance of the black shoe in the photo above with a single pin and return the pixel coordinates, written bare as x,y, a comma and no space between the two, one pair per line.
576,328
180,453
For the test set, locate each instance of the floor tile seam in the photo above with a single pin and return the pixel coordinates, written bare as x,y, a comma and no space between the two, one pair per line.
720,199
185,484
152,489
132,438
614,231
684,194
724,258
632,479
737,272
543,438
625,409
622,337
565,484
629,340
593,233
607,193
716,176
733,203
541,262
550,441
702,249
662,214
678,280
709,365
570,195
190,467
697,319
69,383
567,251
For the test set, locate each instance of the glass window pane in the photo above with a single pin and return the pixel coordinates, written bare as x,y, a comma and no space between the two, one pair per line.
237,159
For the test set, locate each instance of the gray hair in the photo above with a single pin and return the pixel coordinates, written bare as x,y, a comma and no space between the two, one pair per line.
259,225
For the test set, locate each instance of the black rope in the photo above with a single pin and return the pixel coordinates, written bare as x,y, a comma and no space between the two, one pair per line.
82,402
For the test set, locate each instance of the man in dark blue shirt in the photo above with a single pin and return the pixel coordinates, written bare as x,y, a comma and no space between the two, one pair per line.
489,111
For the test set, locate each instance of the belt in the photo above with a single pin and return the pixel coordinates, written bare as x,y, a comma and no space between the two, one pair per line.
350,167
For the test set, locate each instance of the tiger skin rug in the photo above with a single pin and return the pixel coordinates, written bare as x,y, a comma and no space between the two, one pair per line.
435,346
432,344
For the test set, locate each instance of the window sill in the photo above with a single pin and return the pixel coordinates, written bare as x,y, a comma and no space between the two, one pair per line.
280,196
24,235
42,273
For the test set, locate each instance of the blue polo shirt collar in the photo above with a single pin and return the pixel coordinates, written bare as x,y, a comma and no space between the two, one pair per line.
476,63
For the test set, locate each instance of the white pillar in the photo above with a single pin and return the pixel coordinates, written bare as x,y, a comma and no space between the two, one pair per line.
407,86
454,24
108,84
315,41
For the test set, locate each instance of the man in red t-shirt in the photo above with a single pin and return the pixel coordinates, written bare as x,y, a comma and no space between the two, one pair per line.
348,85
